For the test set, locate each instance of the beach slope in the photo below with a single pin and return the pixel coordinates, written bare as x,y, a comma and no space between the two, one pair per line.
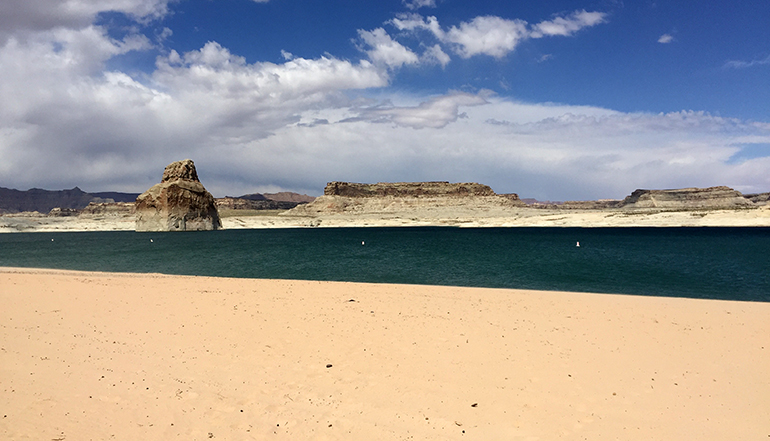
153,357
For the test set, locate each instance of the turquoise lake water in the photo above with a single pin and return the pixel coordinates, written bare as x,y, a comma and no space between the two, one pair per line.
719,263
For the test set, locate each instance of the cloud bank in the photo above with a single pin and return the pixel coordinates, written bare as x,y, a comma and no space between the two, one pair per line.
68,120
496,36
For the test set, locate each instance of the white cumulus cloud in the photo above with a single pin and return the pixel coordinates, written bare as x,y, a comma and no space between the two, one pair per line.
666,38
539,150
565,26
435,54
66,119
417,4
492,36
384,50
39,15
411,22
495,36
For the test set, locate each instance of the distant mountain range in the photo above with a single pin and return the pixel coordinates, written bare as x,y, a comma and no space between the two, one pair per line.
43,201
284,196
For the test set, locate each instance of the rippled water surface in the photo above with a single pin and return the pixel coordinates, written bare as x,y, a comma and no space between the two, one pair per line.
725,263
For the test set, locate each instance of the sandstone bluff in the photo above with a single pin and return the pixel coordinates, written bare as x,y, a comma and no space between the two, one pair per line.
347,197
407,189
692,198
345,204
178,203
390,197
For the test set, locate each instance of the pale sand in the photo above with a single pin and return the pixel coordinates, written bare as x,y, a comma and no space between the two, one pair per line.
89,356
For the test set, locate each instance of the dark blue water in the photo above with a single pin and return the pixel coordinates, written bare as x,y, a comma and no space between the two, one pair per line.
720,263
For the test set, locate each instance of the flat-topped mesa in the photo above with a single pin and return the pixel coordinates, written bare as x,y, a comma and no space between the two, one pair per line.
112,209
409,199
687,198
178,203
407,189
239,204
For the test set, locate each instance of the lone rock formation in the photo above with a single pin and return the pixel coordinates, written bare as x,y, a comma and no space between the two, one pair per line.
178,203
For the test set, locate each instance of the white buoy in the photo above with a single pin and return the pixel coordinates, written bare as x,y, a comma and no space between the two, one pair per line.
51,240
150,240
578,244
363,243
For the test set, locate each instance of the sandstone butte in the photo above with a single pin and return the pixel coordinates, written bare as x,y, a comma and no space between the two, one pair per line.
181,203
712,197
347,197
407,189
678,199
355,197
178,203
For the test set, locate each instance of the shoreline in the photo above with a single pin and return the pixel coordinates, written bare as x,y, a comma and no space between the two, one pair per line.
517,218
44,271
152,356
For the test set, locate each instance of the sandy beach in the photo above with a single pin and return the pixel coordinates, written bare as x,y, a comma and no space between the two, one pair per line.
97,356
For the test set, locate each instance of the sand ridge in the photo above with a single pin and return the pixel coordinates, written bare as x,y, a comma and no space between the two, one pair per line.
120,356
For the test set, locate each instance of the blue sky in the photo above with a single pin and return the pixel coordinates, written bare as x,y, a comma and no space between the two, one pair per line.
619,64
550,99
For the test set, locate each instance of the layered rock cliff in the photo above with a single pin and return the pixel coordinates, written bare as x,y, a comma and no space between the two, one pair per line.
239,204
711,198
758,198
405,197
110,209
407,189
178,203
288,196
687,198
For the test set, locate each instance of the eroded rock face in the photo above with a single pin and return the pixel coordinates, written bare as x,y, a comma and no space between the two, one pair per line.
406,189
687,198
407,198
758,198
236,204
108,209
184,170
178,203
